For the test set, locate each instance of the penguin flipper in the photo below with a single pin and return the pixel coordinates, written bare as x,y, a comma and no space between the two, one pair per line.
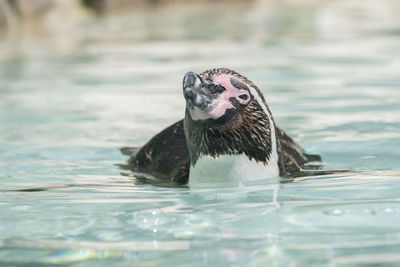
313,157
292,156
129,150
164,157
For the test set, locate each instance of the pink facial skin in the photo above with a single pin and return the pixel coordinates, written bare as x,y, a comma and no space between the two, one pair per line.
222,103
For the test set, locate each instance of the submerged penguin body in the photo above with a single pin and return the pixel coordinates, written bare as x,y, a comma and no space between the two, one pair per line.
228,134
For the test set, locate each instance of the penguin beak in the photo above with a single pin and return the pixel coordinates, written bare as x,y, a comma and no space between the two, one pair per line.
195,92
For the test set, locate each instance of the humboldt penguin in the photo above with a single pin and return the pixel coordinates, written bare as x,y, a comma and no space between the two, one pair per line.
228,134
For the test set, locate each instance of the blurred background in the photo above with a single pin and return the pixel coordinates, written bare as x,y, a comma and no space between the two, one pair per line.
67,24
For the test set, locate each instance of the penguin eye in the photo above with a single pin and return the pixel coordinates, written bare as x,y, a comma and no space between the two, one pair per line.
244,97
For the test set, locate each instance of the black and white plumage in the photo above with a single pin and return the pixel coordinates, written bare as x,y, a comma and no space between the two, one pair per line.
228,133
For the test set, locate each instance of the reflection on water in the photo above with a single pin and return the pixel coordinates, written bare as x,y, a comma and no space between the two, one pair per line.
337,218
330,73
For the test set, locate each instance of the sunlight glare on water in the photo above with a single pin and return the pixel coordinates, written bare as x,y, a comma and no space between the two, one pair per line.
330,74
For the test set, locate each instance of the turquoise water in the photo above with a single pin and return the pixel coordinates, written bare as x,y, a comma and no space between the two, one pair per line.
330,74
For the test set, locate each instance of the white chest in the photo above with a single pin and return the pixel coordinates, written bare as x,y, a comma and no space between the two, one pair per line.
232,169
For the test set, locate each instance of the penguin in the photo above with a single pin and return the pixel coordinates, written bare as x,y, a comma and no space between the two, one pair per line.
228,134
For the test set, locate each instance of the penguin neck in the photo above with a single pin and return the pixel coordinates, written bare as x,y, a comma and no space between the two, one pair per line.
232,153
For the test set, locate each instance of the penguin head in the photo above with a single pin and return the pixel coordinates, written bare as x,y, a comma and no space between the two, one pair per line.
226,114
218,97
